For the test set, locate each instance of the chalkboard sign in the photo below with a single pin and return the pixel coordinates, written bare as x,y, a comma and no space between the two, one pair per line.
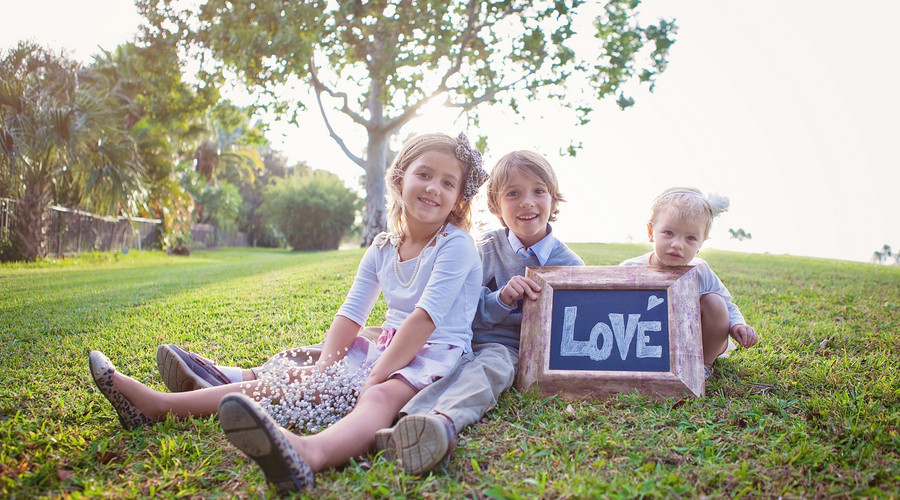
601,330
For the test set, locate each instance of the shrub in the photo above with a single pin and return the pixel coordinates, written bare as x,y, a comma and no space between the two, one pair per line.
313,211
270,237
10,246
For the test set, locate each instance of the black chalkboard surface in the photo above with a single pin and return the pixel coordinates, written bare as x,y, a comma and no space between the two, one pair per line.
600,330
610,330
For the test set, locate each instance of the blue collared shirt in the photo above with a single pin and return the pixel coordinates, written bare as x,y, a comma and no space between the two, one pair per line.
541,249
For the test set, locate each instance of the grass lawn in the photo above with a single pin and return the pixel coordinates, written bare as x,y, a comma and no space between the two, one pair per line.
812,412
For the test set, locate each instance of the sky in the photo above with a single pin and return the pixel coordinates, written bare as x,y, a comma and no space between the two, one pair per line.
786,107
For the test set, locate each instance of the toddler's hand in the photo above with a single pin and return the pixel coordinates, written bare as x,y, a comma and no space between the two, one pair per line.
744,335
517,288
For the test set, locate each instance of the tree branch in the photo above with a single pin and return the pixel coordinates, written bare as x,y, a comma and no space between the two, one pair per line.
319,88
487,95
468,34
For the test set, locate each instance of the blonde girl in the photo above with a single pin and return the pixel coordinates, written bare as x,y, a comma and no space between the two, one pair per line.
429,272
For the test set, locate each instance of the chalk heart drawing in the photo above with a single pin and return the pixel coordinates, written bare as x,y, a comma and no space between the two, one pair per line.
653,301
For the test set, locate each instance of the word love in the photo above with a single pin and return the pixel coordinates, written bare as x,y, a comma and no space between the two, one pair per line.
603,336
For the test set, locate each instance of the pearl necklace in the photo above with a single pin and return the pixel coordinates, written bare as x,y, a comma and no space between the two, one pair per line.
418,260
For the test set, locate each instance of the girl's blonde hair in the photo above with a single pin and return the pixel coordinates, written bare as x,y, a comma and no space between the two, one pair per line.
522,161
690,204
461,215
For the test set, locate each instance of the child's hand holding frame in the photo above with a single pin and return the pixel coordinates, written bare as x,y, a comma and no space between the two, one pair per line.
517,288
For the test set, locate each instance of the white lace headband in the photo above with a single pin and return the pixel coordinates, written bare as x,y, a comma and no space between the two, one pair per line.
716,202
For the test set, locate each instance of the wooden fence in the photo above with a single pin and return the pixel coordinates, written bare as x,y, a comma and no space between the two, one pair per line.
74,231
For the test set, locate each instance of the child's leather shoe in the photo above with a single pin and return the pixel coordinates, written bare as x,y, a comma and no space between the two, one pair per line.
423,441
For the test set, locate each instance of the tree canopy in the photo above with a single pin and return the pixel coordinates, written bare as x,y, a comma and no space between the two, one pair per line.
377,64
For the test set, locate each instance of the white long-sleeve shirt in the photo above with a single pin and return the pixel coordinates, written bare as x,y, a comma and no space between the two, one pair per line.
447,286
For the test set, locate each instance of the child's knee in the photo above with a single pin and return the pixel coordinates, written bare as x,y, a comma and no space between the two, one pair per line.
714,314
391,395
713,305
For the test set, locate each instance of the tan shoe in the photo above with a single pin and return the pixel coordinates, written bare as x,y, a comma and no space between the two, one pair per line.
423,441
384,442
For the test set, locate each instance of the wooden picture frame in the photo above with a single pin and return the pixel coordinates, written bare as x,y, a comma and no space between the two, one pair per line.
623,340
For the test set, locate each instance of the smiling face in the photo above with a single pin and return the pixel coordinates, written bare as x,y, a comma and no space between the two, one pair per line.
526,206
431,187
676,240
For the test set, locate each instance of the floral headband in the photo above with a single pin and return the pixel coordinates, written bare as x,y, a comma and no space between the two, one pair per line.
472,157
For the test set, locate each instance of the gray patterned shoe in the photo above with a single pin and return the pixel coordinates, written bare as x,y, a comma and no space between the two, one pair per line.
252,431
102,371
424,441
183,371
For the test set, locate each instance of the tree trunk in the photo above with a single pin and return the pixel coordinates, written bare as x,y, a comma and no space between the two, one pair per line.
376,164
31,225
206,158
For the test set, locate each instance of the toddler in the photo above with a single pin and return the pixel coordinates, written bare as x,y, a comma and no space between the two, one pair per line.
680,220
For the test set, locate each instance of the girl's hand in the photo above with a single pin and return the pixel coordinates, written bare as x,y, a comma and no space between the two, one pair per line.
517,288
370,381
744,335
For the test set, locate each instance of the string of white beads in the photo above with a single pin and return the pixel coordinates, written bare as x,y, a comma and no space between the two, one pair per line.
308,400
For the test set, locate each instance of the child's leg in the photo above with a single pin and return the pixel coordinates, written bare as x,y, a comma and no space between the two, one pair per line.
715,326
183,371
426,435
354,434
471,389
138,405
156,405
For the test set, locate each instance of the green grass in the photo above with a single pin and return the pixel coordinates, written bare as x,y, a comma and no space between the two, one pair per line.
812,411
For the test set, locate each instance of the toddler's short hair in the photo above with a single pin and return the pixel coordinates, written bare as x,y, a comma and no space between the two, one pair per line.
522,161
689,204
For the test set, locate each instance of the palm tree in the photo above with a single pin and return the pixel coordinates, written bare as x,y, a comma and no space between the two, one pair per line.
227,161
884,255
740,234
166,117
61,138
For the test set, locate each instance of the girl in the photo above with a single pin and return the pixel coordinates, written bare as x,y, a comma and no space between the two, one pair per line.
680,220
430,273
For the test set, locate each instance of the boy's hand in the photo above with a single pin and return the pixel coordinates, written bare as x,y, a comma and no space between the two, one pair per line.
517,288
744,335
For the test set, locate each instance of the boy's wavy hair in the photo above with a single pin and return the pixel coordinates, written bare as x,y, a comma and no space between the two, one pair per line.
461,215
690,204
530,163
